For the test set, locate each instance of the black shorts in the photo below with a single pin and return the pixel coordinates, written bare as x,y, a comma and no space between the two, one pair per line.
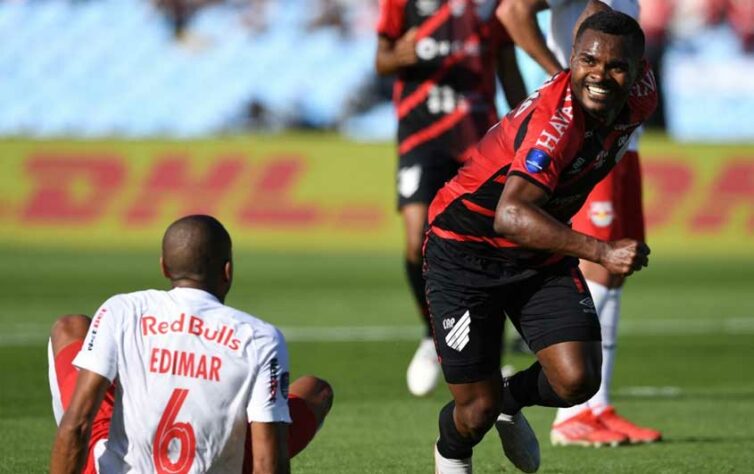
422,172
469,298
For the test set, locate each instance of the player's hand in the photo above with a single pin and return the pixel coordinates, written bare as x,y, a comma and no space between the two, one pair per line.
405,48
625,256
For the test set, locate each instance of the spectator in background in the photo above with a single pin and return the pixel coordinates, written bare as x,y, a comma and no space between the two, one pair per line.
445,55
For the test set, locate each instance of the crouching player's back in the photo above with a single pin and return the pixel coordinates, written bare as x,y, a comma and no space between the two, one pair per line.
191,374
175,381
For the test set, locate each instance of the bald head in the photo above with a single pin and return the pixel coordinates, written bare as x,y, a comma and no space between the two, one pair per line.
195,252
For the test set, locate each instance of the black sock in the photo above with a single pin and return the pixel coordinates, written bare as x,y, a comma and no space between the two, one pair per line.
416,282
451,444
529,387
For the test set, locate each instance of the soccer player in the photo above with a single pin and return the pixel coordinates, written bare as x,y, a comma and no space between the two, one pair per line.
500,244
612,211
445,54
176,381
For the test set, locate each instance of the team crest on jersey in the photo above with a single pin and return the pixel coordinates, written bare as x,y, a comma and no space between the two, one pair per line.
537,161
601,213
408,180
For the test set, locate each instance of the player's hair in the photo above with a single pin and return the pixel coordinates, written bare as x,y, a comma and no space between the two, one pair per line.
196,248
615,23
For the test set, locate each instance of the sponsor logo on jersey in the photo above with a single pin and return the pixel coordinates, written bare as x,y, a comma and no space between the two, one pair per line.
274,382
537,161
94,328
193,325
458,337
601,213
555,129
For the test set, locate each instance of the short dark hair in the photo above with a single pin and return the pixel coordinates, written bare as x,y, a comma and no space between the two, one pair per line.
615,23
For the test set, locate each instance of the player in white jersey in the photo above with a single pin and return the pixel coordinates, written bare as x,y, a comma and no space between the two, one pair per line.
612,211
189,384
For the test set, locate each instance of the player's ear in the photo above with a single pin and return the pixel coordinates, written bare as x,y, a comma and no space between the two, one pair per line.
228,270
164,269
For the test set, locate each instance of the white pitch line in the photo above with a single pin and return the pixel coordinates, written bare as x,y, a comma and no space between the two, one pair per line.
22,334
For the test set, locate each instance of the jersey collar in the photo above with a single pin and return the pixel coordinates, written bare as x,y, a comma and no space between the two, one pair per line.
194,294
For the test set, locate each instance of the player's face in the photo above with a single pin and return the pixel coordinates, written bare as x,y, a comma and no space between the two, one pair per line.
603,71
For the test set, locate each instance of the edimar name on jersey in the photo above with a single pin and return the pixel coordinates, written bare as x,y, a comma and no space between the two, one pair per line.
193,325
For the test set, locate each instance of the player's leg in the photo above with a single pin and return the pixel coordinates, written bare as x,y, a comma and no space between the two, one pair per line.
467,322
310,400
66,339
555,314
420,175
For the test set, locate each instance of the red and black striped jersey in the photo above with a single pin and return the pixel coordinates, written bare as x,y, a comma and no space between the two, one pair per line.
447,99
544,140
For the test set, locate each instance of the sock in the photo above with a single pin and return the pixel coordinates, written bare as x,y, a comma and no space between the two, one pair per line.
416,282
600,296
529,387
609,317
452,445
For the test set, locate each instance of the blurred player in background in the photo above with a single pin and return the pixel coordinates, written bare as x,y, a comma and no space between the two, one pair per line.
612,211
175,381
445,54
500,244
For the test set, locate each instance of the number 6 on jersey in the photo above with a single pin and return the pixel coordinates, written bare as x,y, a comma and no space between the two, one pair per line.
168,430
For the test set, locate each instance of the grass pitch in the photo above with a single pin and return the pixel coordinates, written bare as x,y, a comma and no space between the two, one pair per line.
686,349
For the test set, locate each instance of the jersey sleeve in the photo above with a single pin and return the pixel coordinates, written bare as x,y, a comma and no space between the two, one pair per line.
269,393
99,352
552,137
642,101
391,19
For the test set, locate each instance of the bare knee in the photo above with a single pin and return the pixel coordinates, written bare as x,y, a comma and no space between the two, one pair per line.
316,392
577,385
68,329
475,418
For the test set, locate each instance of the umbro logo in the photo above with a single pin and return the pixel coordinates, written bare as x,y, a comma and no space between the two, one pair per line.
458,337
588,302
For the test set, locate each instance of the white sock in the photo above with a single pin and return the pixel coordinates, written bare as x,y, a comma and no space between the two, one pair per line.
609,316
600,296
451,466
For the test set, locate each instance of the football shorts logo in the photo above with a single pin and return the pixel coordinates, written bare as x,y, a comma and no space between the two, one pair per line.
601,213
408,180
537,161
458,337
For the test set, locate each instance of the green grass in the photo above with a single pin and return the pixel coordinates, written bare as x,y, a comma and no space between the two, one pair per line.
688,326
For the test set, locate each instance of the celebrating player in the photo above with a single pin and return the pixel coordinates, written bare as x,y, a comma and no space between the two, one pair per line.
612,211
175,381
445,53
499,244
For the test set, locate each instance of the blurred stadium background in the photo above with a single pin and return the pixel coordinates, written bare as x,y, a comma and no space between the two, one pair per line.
117,116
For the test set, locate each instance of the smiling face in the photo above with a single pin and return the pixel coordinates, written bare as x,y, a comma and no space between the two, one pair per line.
604,68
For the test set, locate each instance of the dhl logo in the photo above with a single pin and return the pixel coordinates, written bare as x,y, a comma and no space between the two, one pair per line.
296,197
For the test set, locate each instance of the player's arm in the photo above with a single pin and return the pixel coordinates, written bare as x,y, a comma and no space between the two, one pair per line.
392,55
269,443
520,19
509,75
70,448
519,217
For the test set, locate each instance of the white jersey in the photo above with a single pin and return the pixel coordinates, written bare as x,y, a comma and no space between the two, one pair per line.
190,374
563,17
